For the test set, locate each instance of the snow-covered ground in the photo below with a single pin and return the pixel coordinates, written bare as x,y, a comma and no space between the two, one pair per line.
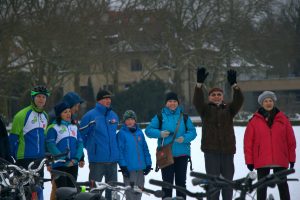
198,165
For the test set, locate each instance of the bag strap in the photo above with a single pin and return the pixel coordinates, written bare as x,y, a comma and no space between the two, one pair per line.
175,132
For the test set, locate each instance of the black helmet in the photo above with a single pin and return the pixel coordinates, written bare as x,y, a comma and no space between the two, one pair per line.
40,89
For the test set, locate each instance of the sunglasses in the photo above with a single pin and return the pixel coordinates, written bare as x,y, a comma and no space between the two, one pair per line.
216,94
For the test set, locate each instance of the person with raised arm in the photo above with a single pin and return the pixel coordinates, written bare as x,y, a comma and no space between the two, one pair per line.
218,139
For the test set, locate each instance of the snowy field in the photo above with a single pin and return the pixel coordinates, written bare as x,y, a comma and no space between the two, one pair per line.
198,165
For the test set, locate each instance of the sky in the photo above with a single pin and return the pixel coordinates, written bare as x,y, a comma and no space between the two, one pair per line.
198,165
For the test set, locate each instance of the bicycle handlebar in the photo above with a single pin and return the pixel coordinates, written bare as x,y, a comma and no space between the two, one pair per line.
197,195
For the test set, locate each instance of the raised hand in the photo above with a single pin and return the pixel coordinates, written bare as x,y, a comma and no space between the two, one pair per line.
231,76
201,75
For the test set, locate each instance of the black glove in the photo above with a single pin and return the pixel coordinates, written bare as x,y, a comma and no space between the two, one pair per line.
292,165
201,75
250,167
231,76
125,171
147,170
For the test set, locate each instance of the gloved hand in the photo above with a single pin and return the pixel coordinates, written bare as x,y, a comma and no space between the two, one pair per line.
231,76
201,75
147,170
125,171
292,165
250,167
71,163
180,139
164,133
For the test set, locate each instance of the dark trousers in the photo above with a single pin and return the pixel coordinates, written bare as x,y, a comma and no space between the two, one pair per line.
220,164
283,187
177,170
64,181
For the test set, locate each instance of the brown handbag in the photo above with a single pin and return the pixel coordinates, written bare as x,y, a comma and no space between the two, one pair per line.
164,156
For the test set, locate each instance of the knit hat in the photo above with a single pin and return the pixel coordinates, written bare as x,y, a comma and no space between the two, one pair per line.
215,89
171,96
102,94
39,89
72,98
266,94
60,107
129,114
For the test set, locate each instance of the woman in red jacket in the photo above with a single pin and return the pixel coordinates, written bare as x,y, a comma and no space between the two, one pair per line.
269,143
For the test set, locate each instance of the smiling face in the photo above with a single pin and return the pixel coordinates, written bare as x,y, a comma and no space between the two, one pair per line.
130,122
268,104
172,104
105,102
66,115
216,97
40,100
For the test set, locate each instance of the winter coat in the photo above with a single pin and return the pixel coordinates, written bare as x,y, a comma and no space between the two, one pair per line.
169,123
134,152
27,136
64,137
269,146
98,129
217,122
4,142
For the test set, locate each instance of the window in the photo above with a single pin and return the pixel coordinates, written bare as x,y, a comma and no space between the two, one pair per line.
136,65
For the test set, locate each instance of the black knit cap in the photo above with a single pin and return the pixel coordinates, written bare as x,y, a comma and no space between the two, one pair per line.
171,96
60,107
102,94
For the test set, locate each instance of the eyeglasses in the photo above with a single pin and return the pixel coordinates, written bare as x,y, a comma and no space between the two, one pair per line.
216,94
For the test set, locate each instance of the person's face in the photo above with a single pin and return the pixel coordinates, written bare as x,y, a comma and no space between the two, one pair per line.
105,102
130,122
66,115
216,97
75,109
268,104
172,104
40,100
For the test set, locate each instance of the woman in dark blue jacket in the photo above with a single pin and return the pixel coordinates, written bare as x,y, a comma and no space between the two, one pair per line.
181,147
135,159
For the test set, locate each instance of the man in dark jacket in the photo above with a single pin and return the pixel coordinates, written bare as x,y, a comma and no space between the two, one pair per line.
4,142
218,139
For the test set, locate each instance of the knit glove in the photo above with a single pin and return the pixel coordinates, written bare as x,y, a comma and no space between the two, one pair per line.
201,75
231,77
250,167
125,171
147,170
292,165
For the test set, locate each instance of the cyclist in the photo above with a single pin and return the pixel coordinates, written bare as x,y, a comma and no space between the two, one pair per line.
27,136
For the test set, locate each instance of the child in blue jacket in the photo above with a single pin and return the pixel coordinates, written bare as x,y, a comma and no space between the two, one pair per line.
135,160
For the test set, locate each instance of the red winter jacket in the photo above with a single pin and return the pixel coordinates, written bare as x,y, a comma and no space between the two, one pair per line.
264,145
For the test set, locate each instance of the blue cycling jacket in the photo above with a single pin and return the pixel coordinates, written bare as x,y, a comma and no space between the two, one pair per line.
98,129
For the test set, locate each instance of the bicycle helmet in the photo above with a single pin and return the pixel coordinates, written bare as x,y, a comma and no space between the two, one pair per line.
40,89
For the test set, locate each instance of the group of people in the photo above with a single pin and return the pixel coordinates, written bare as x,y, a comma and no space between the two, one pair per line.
269,141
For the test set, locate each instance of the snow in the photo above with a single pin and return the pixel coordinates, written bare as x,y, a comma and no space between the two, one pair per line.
198,165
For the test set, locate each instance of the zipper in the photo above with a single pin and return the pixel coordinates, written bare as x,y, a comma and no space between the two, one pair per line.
38,135
68,143
137,148
108,134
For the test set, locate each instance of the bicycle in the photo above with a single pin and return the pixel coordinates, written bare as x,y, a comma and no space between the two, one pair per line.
95,189
197,195
245,185
19,183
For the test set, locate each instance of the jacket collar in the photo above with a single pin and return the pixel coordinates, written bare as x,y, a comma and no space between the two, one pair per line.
102,109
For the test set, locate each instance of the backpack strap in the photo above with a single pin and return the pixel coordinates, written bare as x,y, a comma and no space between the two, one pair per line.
160,119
